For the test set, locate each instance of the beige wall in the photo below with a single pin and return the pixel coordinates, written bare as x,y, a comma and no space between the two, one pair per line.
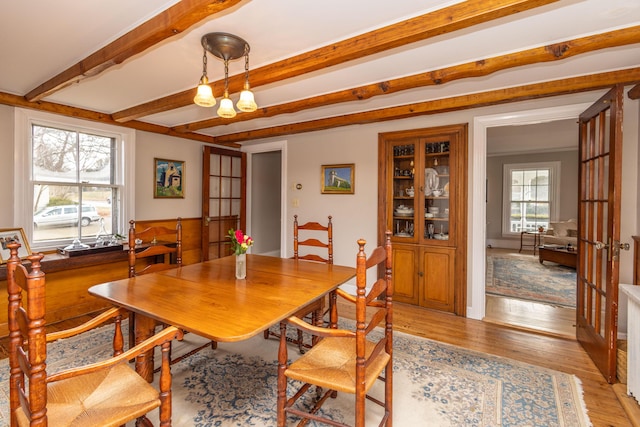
150,146
6,166
355,216
568,190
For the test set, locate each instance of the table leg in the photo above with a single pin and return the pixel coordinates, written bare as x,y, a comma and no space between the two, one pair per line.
144,328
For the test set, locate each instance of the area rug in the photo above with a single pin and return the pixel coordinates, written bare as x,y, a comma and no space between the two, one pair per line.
435,384
523,277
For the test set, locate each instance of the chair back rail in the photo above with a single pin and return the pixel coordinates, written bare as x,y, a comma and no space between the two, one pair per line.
29,382
354,364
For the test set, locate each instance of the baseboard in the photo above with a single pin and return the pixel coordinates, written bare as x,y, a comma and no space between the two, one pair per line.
503,243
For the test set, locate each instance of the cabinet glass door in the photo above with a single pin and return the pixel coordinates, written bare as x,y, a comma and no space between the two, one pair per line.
437,191
404,191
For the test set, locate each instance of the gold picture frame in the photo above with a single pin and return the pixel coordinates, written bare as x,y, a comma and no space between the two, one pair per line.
338,179
8,235
168,179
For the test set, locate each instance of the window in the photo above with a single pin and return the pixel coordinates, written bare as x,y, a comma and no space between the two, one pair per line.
74,187
531,192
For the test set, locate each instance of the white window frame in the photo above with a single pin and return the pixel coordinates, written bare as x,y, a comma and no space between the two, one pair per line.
23,185
554,191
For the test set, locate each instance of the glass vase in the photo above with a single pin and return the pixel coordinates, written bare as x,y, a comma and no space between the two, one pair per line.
241,266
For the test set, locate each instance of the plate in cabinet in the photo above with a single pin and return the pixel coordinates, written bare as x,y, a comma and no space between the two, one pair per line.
431,181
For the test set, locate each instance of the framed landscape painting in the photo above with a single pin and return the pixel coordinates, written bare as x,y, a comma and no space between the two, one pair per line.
338,179
9,235
169,179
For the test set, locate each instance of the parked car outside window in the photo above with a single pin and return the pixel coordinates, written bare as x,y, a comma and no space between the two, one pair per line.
65,215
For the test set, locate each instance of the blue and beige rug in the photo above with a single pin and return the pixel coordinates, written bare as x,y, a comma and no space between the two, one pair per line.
523,277
434,384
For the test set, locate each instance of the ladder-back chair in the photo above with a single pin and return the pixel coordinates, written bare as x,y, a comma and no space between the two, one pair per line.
346,360
104,393
304,248
160,248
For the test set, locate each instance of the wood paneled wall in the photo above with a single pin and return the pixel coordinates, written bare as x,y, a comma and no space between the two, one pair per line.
67,288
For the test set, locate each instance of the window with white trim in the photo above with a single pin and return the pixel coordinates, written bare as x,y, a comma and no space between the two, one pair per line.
530,196
74,186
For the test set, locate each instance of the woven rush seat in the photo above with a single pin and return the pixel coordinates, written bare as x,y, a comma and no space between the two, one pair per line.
105,393
332,364
102,398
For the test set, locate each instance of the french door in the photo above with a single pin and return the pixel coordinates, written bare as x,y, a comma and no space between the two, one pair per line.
224,190
599,230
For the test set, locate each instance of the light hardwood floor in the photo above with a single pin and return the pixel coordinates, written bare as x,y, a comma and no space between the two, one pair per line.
543,350
528,315
551,352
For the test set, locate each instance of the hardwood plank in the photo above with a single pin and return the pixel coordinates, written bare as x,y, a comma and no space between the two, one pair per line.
559,354
564,355
531,316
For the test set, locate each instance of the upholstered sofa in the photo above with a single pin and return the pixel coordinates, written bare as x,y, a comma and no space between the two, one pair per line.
561,233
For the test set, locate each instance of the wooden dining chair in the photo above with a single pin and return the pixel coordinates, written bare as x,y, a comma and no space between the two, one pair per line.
104,393
310,248
159,248
345,360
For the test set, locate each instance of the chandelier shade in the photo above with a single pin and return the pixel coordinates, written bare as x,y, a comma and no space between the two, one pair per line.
226,47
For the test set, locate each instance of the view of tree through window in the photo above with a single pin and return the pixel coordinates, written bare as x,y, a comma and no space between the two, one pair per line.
74,191
530,199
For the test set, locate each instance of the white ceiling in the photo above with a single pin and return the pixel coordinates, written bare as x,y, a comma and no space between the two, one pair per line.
41,38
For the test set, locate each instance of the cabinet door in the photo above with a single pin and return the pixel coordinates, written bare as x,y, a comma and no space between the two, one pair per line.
402,190
437,289
405,266
437,189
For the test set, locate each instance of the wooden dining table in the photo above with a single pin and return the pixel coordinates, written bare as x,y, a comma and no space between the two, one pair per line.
206,298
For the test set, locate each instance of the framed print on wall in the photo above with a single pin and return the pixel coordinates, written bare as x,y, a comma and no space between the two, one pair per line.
8,235
169,179
338,179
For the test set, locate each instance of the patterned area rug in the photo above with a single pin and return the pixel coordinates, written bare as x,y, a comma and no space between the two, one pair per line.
434,383
523,277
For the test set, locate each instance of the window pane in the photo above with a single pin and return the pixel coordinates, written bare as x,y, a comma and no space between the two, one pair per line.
67,203
516,192
95,158
54,155
55,215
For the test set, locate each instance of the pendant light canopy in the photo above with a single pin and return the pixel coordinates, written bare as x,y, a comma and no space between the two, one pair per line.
226,47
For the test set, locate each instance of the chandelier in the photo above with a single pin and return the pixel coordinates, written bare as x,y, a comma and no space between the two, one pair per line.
226,47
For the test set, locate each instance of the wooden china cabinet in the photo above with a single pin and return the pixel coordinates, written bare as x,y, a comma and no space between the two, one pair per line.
422,197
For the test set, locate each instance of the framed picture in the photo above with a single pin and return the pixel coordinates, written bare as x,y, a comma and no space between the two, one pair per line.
168,178
8,235
338,179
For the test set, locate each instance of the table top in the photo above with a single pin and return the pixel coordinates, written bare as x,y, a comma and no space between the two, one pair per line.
208,300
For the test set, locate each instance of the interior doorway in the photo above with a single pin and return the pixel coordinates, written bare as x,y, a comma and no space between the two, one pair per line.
521,292
266,197
478,218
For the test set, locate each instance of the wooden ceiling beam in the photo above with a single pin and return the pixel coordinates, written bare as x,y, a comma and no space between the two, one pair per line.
455,17
168,23
483,99
553,52
80,113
